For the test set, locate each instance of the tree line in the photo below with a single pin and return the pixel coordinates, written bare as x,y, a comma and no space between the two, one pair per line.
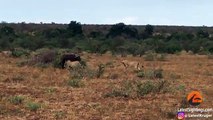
119,39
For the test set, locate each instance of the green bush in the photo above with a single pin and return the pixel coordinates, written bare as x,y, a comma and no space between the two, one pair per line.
80,72
150,74
151,87
149,56
18,52
76,83
145,88
173,47
5,43
134,89
83,63
158,73
117,93
161,57
43,58
141,74
25,42
77,72
33,106
57,61
17,100
126,89
162,86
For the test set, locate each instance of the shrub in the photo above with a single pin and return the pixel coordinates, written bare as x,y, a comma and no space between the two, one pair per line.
158,73
138,89
149,56
173,47
43,57
151,74
117,93
90,73
79,72
47,56
57,61
124,91
161,57
162,86
18,52
83,63
26,42
151,87
141,74
76,83
33,106
17,100
146,88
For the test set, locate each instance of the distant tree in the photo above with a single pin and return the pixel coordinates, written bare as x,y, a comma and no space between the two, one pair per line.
6,30
202,34
144,35
149,29
194,46
95,34
173,47
120,29
25,43
75,28
116,30
131,32
52,33
4,43
38,42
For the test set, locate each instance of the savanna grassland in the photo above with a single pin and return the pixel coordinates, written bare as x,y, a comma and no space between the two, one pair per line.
45,93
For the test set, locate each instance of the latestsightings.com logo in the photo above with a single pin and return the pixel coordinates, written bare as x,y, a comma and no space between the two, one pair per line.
194,98
180,115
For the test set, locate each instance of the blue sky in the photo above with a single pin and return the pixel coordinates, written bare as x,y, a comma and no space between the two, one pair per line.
139,12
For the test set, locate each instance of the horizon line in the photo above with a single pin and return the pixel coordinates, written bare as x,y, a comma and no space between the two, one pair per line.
109,24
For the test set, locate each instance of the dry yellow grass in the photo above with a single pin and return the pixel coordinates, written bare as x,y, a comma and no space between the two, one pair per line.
48,87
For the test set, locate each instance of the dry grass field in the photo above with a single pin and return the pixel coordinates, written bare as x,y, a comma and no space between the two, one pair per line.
38,93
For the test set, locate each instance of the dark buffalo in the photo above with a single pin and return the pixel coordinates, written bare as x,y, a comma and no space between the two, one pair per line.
71,57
